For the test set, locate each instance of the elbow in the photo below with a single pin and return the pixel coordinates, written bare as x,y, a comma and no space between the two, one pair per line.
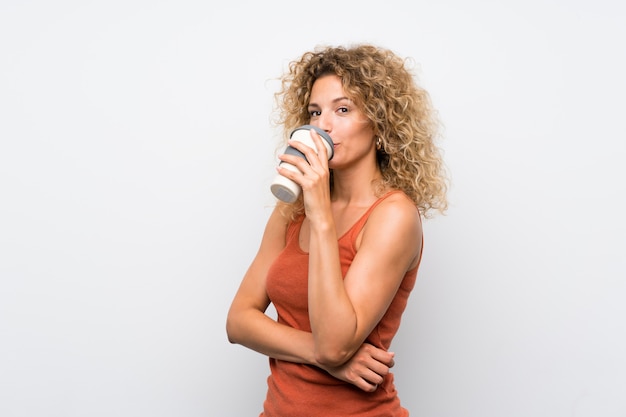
230,336
229,333
242,323
231,329
332,357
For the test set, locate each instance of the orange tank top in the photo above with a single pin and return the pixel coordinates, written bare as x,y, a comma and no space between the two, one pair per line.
307,391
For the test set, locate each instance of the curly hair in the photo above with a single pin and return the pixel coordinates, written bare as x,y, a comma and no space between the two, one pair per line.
379,82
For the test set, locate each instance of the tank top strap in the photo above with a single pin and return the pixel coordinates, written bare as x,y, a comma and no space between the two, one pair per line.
356,228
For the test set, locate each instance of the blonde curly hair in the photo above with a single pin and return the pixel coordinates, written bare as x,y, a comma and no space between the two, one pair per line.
380,84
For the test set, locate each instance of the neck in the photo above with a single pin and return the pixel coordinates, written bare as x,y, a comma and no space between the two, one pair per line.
355,186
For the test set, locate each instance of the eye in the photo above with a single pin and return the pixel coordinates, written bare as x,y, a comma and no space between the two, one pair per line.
342,110
314,113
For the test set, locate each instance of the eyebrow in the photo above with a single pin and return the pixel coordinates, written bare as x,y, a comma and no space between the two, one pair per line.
338,99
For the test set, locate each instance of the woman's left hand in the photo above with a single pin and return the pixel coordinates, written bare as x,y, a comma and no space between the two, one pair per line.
366,369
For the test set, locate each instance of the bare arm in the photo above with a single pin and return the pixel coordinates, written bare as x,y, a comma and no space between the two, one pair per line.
248,325
342,311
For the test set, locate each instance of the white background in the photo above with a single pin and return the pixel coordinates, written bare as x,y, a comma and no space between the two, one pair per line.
135,160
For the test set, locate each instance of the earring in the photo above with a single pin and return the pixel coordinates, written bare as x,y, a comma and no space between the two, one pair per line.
379,144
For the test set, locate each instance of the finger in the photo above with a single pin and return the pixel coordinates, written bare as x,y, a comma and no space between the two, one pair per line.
305,148
322,152
373,386
374,378
372,370
314,152
295,160
375,372
366,386
382,355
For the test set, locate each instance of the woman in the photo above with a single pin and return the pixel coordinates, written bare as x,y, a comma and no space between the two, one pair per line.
339,263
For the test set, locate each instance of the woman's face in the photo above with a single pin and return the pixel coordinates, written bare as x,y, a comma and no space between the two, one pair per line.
352,133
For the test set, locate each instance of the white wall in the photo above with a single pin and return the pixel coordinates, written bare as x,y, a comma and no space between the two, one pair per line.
135,158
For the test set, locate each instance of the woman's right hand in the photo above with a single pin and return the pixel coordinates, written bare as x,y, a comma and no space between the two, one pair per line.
366,368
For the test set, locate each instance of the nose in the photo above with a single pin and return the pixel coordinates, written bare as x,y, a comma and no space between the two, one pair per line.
324,122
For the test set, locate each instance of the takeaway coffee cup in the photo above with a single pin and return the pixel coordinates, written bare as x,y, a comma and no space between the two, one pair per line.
285,189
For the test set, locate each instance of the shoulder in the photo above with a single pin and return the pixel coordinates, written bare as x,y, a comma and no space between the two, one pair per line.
395,217
396,205
393,231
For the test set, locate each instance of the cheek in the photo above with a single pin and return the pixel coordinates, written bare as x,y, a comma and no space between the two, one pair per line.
363,129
